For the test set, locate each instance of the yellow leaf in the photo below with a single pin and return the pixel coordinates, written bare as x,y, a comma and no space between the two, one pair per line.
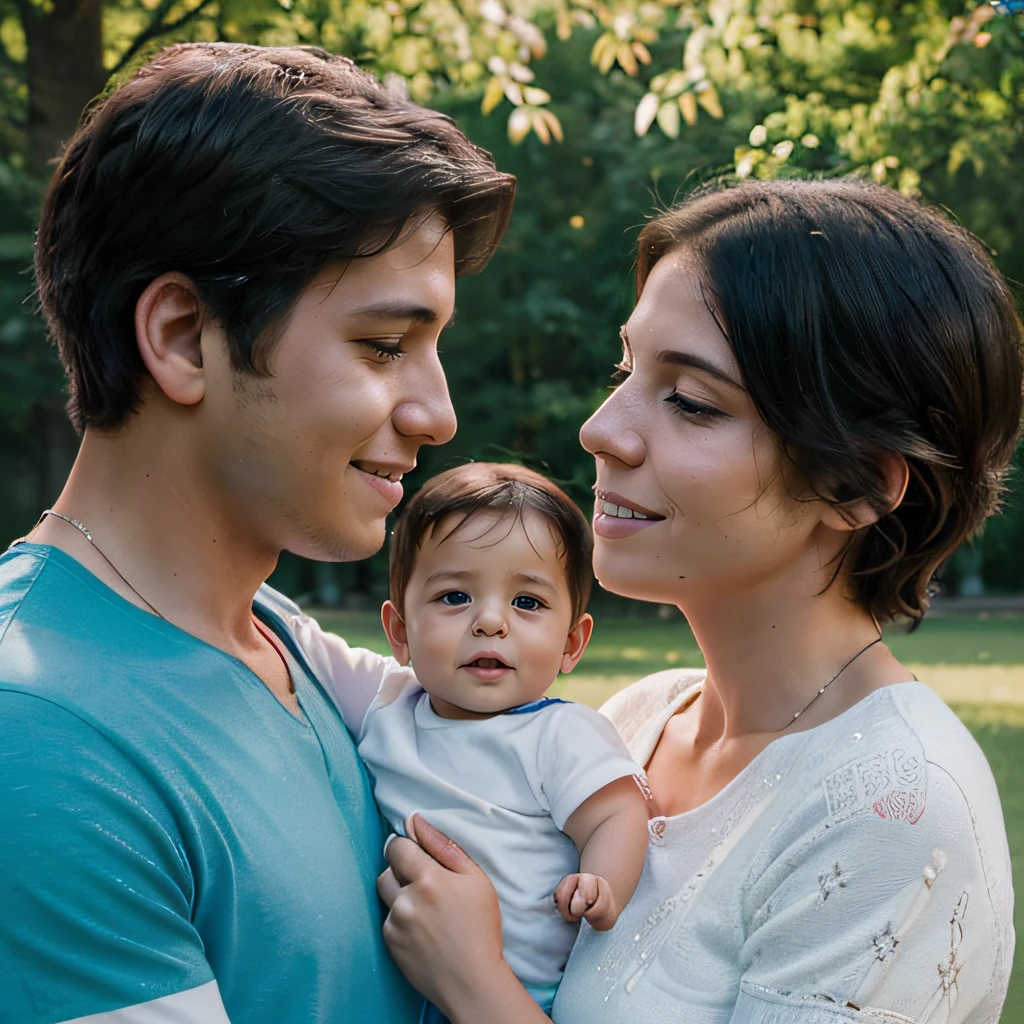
642,53
708,99
519,124
514,92
688,108
668,119
564,29
602,44
608,54
536,97
540,127
627,61
554,124
646,111
493,95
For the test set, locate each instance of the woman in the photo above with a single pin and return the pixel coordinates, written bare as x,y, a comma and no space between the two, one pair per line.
822,392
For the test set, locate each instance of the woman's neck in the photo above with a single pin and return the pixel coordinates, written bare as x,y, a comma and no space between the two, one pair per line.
150,512
771,648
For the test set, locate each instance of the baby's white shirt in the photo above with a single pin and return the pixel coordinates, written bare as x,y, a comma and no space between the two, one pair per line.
501,787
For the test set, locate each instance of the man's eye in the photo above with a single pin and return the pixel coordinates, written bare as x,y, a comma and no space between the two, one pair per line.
527,604
455,597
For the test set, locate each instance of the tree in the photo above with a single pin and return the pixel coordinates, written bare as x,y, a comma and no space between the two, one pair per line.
600,106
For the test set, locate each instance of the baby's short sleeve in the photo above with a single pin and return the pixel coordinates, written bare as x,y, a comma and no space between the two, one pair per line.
580,753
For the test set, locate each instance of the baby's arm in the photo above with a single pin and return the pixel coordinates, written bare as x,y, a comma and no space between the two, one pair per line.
610,831
350,675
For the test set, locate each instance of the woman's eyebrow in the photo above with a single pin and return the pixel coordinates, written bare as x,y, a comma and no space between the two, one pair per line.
673,357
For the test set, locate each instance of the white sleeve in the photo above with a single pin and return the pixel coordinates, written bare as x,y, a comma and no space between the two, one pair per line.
350,675
580,753
879,920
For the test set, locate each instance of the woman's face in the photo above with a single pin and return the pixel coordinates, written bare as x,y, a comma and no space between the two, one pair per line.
680,442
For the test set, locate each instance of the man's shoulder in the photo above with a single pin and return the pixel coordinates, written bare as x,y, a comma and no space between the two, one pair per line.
20,568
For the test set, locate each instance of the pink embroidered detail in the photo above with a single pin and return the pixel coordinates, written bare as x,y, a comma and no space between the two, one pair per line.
900,805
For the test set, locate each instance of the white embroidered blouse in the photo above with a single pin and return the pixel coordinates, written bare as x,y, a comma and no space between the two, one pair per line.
854,871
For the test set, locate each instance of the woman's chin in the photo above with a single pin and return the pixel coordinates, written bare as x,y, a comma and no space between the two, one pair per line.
619,576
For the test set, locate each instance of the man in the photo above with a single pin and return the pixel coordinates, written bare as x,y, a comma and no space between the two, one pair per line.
246,257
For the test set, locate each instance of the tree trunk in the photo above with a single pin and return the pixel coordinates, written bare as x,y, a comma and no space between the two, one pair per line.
63,72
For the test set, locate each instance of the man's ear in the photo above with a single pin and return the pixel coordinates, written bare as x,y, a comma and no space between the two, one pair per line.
398,635
576,642
857,514
168,326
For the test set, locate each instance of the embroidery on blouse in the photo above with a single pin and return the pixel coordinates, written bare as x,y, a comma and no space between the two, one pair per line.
630,957
892,784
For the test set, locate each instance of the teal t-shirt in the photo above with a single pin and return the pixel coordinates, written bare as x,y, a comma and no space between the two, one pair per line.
168,830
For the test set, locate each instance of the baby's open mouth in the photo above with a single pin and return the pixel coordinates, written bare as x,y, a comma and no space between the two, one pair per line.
486,663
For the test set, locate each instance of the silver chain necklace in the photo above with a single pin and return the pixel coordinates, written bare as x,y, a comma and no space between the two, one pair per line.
797,714
84,531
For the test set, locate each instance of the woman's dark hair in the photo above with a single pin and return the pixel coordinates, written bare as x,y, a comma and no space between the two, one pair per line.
505,488
245,168
865,325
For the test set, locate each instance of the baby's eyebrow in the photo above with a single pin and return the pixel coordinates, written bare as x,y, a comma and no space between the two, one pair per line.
447,574
528,577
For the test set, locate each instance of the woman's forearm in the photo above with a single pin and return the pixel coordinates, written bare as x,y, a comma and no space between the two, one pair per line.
497,999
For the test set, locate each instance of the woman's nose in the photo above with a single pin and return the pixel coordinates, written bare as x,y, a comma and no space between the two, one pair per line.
612,433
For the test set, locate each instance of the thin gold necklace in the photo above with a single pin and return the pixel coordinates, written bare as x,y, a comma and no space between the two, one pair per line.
867,647
85,532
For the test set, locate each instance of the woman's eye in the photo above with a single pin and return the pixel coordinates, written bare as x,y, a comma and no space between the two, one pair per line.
526,603
386,351
455,597
688,407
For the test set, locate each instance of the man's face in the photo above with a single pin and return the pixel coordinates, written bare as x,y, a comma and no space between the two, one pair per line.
310,457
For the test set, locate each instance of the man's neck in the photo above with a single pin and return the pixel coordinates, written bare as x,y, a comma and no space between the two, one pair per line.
182,546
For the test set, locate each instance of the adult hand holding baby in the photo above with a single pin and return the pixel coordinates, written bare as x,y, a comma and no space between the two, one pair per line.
444,928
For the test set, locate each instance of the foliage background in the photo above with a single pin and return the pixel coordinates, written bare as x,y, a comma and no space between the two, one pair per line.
647,97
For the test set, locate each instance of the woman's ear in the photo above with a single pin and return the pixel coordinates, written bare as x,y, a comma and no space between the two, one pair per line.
168,328
856,515
398,635
576,642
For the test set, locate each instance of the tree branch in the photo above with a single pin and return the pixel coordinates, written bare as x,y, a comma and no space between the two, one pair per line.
157,27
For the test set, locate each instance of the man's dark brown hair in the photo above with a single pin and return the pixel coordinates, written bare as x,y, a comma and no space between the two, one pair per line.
246,169
506,489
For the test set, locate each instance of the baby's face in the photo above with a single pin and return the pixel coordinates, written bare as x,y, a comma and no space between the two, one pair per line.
488,615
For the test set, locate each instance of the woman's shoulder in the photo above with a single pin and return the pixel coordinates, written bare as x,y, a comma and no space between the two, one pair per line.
640,711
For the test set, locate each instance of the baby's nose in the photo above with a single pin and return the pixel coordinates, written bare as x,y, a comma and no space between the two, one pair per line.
489,623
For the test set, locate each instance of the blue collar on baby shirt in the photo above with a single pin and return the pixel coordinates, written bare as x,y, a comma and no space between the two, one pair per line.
535,705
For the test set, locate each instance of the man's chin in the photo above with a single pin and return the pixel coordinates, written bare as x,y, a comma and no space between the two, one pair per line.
335,543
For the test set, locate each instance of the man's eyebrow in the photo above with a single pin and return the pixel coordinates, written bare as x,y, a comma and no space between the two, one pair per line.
675,358
529,577
399,310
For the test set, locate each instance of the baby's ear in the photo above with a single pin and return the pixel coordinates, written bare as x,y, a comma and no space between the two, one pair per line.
398,636
576,642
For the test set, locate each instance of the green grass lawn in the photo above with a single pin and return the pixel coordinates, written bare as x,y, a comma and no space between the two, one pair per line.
967,660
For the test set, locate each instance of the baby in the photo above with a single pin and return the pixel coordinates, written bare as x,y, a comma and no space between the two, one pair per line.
490,575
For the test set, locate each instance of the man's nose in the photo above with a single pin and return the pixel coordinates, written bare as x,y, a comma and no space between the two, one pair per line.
427,413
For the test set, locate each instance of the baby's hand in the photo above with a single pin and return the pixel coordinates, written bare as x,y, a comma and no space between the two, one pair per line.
588,896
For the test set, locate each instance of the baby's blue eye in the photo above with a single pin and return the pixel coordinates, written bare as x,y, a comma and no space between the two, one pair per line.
455,597
526,603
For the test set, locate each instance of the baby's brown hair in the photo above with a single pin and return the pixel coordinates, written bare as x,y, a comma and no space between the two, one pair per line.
494,487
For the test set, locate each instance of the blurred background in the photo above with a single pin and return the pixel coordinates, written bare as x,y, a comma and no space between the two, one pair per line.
605,111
